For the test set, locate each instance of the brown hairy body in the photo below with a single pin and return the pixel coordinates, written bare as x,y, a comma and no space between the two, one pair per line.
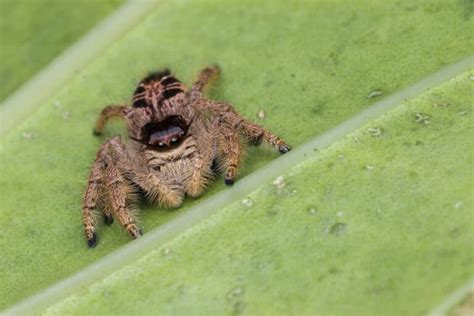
177,141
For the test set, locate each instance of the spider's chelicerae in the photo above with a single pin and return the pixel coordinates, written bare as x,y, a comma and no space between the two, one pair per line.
177,141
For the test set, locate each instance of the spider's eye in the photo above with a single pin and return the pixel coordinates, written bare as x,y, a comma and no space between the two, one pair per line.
167,94
161,144
174,140
139,98
140,103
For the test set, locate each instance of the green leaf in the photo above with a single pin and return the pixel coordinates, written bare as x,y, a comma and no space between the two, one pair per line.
308,65
32,33
378,223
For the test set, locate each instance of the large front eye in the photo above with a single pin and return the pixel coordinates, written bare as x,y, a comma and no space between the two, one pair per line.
166,137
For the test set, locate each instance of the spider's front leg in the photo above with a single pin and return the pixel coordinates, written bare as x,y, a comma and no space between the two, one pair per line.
253,132
230,150
108,185
256,133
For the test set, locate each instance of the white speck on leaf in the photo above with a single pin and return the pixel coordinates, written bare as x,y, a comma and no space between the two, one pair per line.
65,115
375,93
375,131
279,182
312,211
443,105
247,202
458,204
27,135
236,292
422,118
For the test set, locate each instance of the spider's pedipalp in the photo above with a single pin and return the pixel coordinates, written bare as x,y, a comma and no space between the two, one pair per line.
201,175
158,191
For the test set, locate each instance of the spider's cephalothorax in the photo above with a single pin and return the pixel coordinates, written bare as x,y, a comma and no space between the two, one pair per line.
177,141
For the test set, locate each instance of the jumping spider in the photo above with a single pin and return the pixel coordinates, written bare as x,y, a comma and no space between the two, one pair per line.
177,141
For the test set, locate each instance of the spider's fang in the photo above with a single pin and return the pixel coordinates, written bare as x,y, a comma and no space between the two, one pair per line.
229,181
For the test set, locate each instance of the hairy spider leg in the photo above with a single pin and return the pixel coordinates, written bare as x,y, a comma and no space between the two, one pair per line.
107,184
231,152
206,76
111,111
253,132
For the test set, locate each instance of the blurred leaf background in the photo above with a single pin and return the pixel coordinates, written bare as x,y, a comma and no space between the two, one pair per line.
380,225
34,32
